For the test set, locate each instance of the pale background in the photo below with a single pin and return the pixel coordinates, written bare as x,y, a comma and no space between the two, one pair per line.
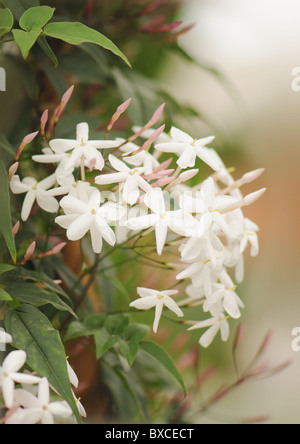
256,45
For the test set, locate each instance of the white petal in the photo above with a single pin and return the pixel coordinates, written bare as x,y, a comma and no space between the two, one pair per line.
230,305
47,418
207,158
144,303
82,133
60,409
28,204
46,202
158,312
73,205
14,361
154,200
161,233
62,145
18,187
23,378
97,242
180,136
91,153
145,292
103,144
209,336
142,222
171,305
75,157
26,399
47,183
78,229
106,232
65,221
131,191
44,392
118,165
107,179
170,147
8,392
72,375
48,158
187,158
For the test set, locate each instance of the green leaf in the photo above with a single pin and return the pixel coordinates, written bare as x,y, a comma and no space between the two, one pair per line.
18,7
104,341
4,268
42,42
21,274
6,21
4,296
128,350
36,18
26,40
115,324
7,151
76,33
33,295
76,330
136,332
160,355
34,333
5,214
95,321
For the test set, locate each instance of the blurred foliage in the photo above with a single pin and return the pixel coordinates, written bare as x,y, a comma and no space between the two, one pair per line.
144,31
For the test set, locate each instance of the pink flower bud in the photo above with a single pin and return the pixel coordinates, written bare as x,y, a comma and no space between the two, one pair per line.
16,228
26,141
44,120
12,170
121,109
187,175
29,252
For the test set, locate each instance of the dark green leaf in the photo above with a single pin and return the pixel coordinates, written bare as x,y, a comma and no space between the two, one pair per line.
36,18
33,295
42,42
103,342
136,332
160,355
95,321
4,268
77,330
4,296
26,40
128,350
5,214
21,274
34,333
77,33
6,21
116,324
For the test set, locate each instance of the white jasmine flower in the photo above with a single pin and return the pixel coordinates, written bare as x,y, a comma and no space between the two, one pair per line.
82,148
216,324
9,375
142,159
82,217
158,299
72,375
161,219
131,178
250,236
188,149
36,191
40,409
230,301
